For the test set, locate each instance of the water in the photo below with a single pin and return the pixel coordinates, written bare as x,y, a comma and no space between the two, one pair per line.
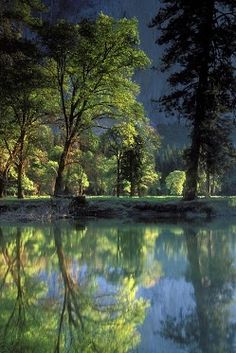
113,287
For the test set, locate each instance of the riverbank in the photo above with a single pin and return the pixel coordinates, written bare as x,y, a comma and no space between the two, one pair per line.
153,208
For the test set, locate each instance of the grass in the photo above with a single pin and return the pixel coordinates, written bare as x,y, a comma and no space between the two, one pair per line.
231,200
99,198
135,198
12,199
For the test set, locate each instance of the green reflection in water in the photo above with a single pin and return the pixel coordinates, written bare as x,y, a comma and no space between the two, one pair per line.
72,287
210,326
80,316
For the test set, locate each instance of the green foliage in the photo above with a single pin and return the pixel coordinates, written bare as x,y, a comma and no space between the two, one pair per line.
195,61
138,160
133,145
76,179
119,138
169,158
24,88
57,94
80,312
175,182
92,64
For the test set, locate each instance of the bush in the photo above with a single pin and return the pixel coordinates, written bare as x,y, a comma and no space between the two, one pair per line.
175,182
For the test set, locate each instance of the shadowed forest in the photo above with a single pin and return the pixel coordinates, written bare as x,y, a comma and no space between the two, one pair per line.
71,122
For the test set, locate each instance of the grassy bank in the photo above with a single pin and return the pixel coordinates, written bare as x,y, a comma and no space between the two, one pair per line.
150,208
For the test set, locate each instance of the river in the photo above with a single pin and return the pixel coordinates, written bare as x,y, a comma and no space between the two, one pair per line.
114,287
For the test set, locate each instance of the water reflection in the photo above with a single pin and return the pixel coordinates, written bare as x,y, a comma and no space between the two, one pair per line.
208,327
79,317
84,287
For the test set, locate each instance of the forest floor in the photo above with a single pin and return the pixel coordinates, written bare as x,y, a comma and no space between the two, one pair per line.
146,208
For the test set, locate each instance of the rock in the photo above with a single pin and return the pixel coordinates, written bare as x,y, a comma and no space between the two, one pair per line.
78,205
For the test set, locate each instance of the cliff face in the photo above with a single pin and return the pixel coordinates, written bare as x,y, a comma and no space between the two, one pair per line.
152,82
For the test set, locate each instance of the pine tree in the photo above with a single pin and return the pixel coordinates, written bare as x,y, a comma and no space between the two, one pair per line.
132,164
138,161
200,42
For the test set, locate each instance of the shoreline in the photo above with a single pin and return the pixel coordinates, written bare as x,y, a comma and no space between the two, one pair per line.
142,209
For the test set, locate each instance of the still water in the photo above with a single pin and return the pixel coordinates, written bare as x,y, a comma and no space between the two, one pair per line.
113,287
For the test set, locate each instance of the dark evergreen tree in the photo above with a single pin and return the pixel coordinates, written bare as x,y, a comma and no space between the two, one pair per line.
168,159
138,161
218,153
132,164
200,42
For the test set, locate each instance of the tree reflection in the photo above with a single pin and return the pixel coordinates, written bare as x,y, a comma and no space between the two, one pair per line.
16,288
81,316
93,320
115,250
209,327
15,323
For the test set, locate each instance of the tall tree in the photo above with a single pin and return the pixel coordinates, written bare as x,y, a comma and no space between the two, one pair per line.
92,64
138,160
27,100
18,56
200,40
116,142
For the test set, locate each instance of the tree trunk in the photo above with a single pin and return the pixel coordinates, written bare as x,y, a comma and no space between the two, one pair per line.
81,190
9,163
213,185
132,187
2,185
3,179
20,165
199,292
208,184
20,194
190,192
66,189
118,177
59,184
139,190
132,177
72,288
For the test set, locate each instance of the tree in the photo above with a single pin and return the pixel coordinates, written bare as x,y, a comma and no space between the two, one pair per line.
168,159
19,77
133,144
27,98
76,179
200,44
92,64
138,161
116,141
218,154
175,182
41,164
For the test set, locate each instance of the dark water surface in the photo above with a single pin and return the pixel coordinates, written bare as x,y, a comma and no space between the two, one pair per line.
111,287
